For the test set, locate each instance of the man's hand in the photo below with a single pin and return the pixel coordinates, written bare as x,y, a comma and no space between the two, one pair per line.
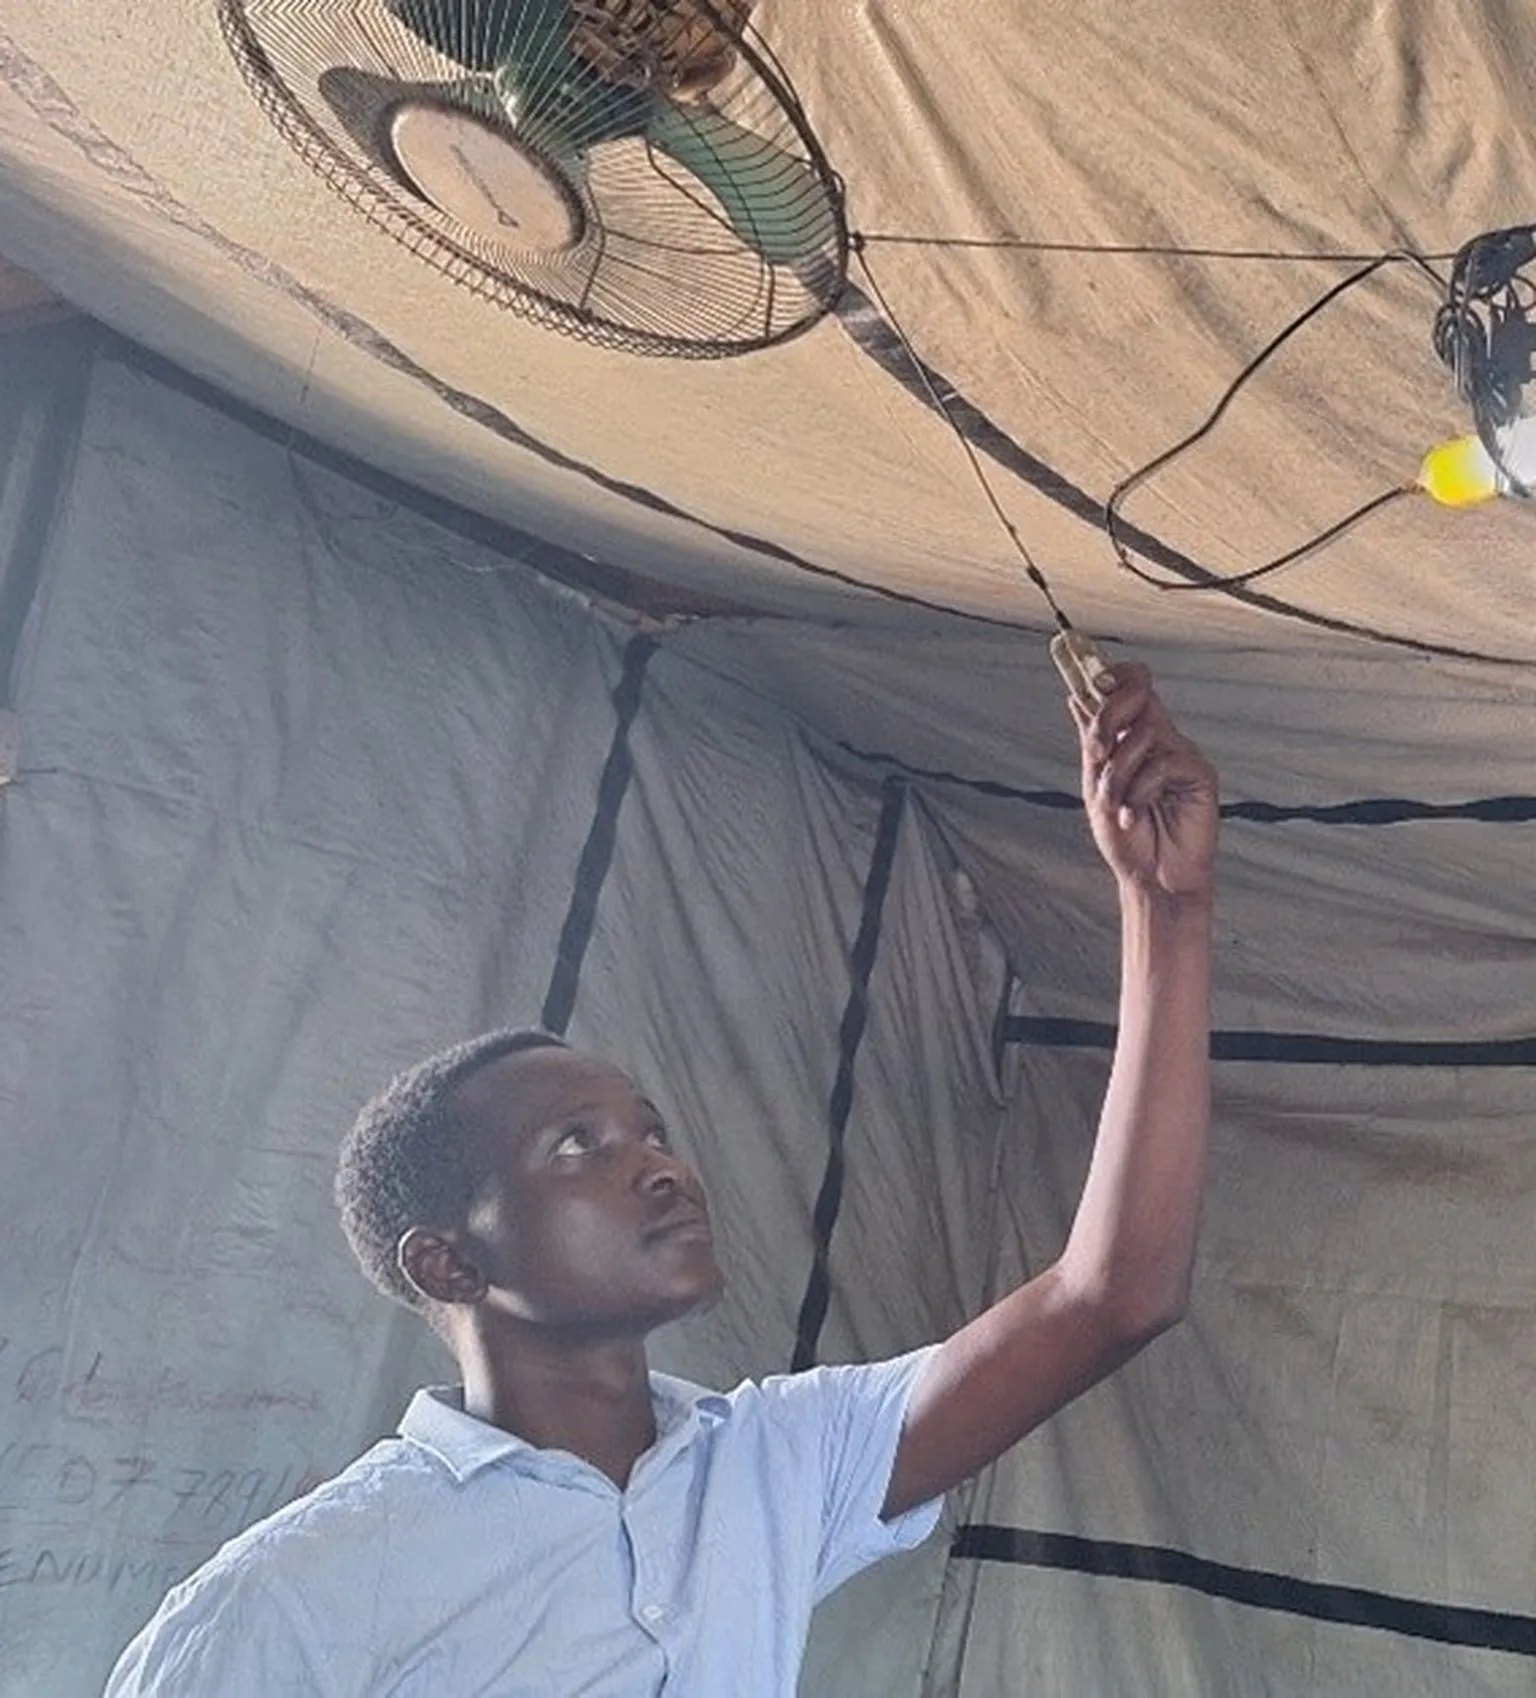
1151,795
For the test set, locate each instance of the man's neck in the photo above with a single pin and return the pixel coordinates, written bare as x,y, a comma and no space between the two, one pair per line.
591,1399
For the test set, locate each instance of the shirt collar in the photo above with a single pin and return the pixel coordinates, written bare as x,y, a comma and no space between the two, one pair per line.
435,1420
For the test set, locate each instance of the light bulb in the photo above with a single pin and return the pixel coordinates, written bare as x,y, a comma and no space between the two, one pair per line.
1462,473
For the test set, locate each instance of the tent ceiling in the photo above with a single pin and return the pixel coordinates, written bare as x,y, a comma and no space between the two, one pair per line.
139,179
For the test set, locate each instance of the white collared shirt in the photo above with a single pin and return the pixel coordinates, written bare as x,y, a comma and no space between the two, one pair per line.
457,1561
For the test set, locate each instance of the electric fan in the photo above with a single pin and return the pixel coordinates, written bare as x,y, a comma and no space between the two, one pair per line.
637,173
1485,332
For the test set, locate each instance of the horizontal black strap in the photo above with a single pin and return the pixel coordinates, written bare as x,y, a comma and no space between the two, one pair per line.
1448,1624
1388,810
1295,1048
1363,810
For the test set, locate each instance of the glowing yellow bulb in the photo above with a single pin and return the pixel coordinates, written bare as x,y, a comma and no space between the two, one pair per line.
1460,473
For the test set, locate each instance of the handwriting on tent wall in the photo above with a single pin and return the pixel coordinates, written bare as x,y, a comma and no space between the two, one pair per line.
116,1497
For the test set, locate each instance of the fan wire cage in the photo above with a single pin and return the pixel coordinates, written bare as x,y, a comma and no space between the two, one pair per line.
635,173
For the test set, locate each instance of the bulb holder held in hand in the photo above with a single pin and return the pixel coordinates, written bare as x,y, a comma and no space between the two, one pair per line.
1083,669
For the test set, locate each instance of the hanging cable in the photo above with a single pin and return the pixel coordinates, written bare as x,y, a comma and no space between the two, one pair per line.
1009,528
1484,331
1131,250
1118,495
1368,267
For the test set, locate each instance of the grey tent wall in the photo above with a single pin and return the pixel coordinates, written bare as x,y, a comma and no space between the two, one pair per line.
1436,1620
866,945
318,780
240,883
1327,1492
43,379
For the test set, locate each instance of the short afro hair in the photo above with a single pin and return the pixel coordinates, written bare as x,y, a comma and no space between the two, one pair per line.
408,1159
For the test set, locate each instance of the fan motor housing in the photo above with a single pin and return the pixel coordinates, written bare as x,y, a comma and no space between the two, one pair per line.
480,175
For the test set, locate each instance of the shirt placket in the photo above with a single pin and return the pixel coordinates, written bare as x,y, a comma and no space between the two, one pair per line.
649,1517
647,1594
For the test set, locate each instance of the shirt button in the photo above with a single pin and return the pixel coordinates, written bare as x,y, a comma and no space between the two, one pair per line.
652,1612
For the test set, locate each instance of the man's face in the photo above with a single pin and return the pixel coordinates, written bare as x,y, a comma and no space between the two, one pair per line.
586,1220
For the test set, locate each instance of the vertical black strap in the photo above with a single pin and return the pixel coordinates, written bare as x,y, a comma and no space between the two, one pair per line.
597,851
44,378
818,1290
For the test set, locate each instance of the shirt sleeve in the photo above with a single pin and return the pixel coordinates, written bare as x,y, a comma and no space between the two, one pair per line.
858,1411
221,1633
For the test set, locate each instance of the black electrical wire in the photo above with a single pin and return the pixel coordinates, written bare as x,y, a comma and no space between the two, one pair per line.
1011,530
1119,494
1483,331
1153,250
859,244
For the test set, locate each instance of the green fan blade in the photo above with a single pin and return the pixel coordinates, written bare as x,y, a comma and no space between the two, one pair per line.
479,33
774,203
552,98
556,100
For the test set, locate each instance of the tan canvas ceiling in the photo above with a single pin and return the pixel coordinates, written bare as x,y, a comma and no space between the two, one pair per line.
141,180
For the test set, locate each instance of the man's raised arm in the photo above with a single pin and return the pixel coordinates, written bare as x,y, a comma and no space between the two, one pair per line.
1124,1275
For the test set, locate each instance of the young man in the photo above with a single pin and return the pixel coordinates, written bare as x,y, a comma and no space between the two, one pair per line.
566,1521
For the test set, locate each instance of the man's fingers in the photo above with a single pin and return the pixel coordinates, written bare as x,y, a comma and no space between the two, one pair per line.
1131,749
1147,761
1132,700
1130,754
1128,672
1177,768
1152,780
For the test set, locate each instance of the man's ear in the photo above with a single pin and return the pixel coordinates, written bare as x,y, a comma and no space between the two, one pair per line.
438,1269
